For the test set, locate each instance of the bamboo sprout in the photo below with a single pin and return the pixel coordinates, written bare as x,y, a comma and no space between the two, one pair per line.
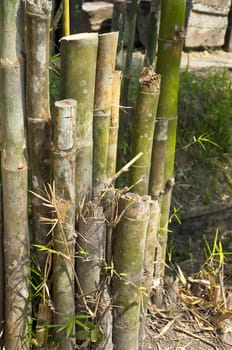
148,264
154,19
64,155
38,112
66,17
171,39
143,128
114,125
128,248
106,56
14,174
78,69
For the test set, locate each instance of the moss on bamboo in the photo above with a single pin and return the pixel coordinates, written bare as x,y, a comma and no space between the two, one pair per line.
171,38
128,254
143,129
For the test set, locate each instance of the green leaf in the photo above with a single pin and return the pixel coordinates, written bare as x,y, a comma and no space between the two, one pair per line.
82,335
96,335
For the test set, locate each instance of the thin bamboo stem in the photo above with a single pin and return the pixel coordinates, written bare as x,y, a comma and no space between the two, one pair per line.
66,17
64,155
114,125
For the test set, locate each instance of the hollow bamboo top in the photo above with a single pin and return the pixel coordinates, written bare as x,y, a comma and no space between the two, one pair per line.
80,36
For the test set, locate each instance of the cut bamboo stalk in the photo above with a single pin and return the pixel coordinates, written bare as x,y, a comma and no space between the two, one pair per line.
148,264
91,244
38,113
14,174
128,254
106,57
64,155
143,129
171,39
114,125
78,69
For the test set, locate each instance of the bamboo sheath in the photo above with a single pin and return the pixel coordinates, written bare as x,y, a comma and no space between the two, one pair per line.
128,253
78,69
106,57
171,38
14,174
64,156
38,113
143,129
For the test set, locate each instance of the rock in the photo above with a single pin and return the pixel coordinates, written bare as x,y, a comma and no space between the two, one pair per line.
206,22
99,12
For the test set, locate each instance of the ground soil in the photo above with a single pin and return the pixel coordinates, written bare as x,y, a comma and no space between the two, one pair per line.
198,312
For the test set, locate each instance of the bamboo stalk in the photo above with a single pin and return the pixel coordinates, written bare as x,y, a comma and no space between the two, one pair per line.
64,155
2,292
78,69
143,129
38,113
148,264
14,174
66,17
106,56
154,19
128,248
118,22
171,39
114,125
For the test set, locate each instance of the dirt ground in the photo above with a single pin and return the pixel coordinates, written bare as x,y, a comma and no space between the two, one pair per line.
198,292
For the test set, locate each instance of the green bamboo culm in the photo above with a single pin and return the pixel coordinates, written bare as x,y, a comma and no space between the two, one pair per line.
171,38
14,174
143,129
151,245
106,58
153,29
78,70
128,254
64,157
114,125
118,22
38,113
123,124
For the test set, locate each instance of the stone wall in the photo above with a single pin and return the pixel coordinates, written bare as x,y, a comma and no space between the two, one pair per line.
206,22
